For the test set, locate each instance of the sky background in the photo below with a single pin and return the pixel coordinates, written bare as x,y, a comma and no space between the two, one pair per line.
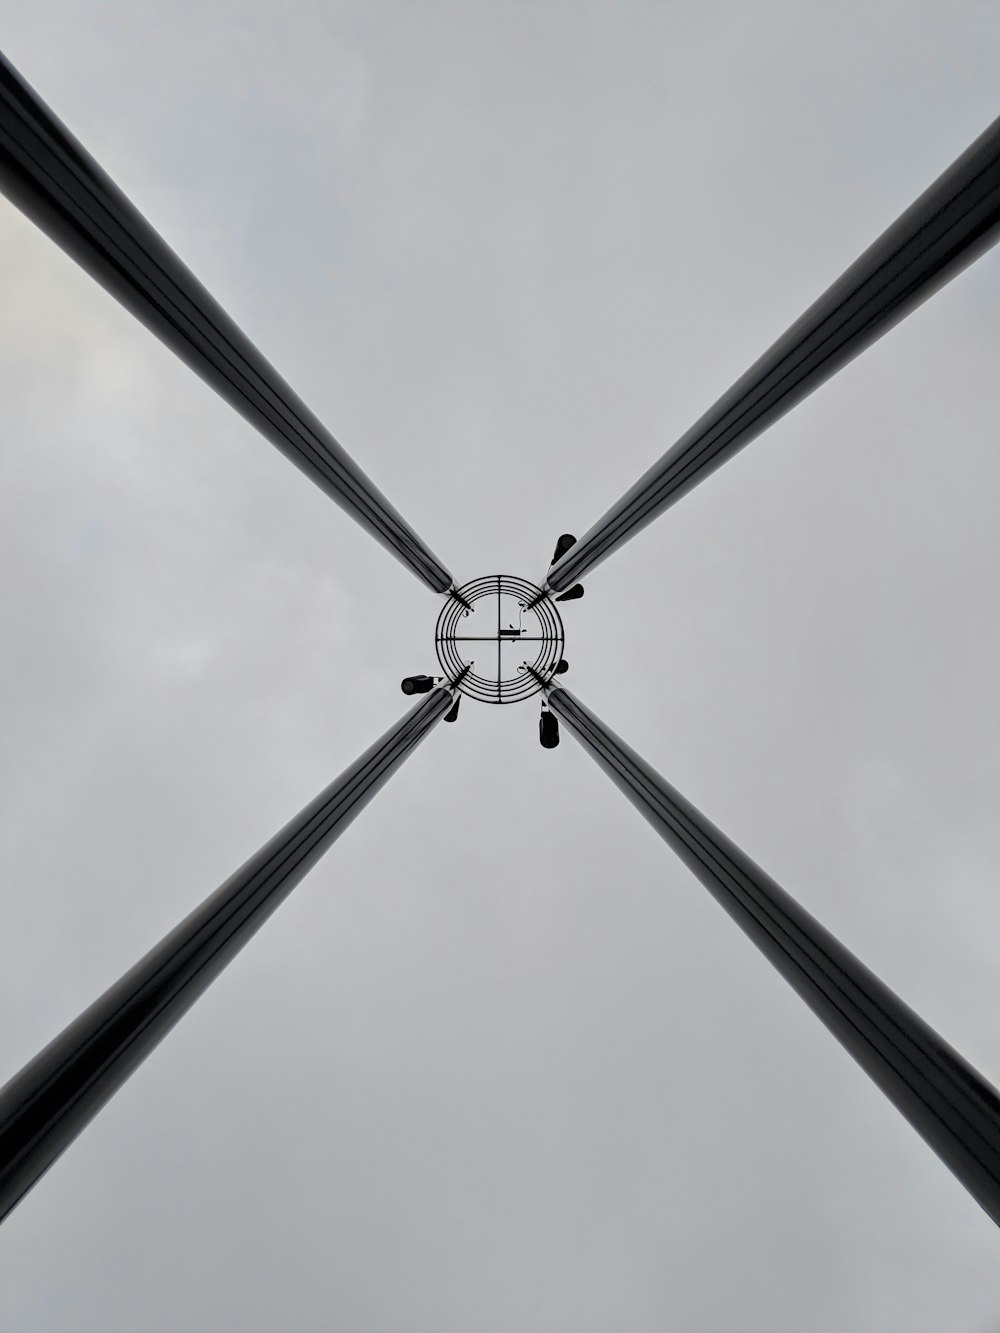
500,1063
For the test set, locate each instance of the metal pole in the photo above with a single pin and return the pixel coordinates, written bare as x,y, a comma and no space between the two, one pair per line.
52,178
46,1105
952,1106
949,226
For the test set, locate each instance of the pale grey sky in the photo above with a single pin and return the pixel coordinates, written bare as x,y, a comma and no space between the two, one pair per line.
500,1064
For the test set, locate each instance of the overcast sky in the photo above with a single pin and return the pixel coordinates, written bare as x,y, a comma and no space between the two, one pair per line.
500,1064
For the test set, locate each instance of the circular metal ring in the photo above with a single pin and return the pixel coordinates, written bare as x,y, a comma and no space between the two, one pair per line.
479,651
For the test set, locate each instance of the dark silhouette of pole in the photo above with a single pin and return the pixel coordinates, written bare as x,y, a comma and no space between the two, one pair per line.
949,226
52,178
952,1106
46,1105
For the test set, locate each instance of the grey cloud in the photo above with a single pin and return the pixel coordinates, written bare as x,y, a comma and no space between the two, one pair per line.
499,1063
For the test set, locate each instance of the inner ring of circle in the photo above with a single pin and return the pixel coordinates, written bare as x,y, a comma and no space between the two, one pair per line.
495,688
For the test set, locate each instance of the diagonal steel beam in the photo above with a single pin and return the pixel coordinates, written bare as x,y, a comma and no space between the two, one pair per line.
946,1101
949,226
46,1105
52,178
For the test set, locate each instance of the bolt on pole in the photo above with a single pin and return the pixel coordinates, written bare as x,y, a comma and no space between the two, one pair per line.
950,225
946,1101
46,1105
47,174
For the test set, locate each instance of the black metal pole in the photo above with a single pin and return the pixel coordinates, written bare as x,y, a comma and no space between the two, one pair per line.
952,1106
949,226
45,1106
52,178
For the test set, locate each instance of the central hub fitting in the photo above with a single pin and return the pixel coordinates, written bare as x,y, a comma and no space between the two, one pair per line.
499,639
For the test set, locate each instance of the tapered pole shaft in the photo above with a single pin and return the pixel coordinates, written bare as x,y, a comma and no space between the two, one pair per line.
943,231
955,1110
51,178
45,1106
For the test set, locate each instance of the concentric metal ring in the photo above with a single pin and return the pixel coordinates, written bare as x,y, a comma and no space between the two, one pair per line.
506,672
